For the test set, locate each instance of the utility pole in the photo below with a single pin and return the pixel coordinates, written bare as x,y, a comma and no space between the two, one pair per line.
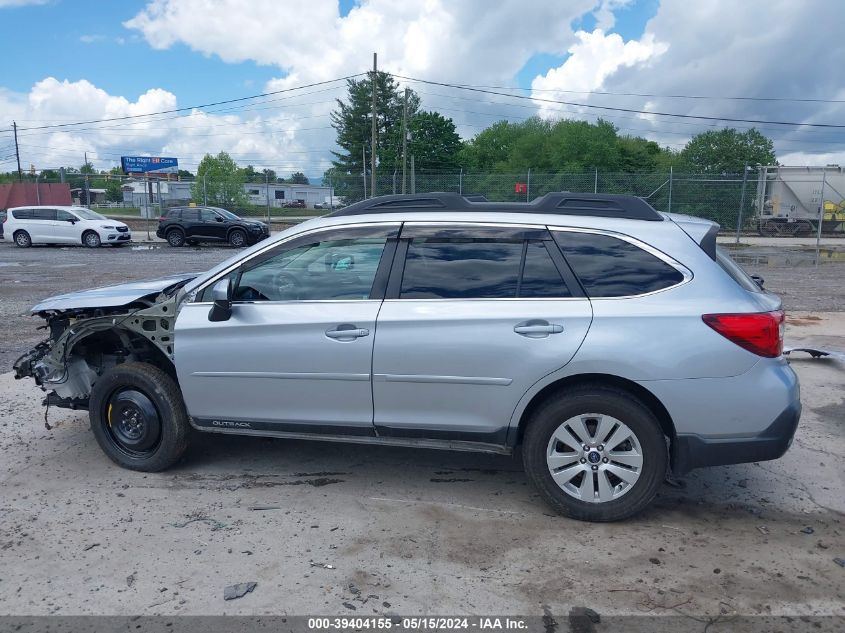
17,151
374,141
413,176
405,141
267,193
87,189
741,201
364,166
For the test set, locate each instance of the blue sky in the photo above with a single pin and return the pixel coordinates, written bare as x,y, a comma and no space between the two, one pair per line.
47,40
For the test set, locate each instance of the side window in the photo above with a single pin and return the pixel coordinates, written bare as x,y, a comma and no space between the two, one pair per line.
329,269
207,215
438,268
44,214
65,216
191,215
610,267
23,214
540,276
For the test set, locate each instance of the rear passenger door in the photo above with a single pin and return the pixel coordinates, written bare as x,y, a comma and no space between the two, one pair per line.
43,225
191,222
474,315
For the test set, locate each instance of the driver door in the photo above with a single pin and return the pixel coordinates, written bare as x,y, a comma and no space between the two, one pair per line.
296,353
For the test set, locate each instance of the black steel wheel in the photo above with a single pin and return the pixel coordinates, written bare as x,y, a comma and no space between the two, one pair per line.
138,417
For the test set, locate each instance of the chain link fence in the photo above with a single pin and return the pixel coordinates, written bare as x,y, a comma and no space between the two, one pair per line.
770,200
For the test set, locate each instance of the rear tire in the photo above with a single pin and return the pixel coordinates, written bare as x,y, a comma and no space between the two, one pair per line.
237,238
138,417
175,238
23,239
623,437
91,239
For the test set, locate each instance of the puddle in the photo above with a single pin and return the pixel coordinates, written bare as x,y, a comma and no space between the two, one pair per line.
786,258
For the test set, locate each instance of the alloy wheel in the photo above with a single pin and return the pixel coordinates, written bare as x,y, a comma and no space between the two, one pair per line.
594,457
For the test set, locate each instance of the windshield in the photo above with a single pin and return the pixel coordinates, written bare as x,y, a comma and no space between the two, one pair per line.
226,214
87,214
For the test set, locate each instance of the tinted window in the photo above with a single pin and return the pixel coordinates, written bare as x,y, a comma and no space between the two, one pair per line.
330,269
736,272
207,215
540,276
22,214
191,215
64,216
44,214
610,267
461,269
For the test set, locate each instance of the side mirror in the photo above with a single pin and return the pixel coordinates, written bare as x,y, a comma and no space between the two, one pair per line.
221,294
71,220
758,280
219,219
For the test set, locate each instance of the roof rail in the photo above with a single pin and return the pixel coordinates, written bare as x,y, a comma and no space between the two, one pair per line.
605,205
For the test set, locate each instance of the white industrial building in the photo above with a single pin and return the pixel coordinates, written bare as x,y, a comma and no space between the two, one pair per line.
137,193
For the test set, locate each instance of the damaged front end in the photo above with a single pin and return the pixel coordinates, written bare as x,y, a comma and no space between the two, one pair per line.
87,340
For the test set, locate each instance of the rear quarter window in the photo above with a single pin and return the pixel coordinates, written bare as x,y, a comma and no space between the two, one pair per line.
611,267
735,271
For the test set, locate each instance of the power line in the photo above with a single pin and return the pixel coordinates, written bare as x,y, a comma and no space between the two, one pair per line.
656,96
205,105
616,109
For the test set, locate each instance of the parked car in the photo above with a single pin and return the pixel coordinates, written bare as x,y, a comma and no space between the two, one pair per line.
604,340
295,204
26,226
191,225
2,222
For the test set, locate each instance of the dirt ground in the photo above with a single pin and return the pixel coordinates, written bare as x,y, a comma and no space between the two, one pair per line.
356,530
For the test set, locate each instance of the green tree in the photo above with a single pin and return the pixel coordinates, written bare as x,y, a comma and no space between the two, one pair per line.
114,192
434,143
727,151
220,181
353,122
184,174
298,178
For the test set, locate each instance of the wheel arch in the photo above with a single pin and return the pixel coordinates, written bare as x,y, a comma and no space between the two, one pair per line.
232,229
120,341
647,397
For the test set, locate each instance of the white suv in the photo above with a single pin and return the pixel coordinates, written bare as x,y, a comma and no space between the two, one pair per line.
62,225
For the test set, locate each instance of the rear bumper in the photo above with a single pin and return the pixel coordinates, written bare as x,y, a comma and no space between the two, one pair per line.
691,451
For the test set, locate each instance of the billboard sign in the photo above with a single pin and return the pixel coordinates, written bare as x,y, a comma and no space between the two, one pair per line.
148,165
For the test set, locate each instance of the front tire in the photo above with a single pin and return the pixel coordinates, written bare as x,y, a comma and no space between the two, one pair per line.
237,238
138,417
91,239
22,239
595,453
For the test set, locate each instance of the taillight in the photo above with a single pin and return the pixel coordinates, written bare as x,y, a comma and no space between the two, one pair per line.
760,332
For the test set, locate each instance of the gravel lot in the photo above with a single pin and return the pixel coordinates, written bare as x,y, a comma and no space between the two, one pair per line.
403,531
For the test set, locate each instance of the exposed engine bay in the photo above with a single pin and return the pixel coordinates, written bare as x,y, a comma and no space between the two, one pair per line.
85,342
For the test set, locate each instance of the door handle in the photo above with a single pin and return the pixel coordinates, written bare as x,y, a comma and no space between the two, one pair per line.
537,328
347,332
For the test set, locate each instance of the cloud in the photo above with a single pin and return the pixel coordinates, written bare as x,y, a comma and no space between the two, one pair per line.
251,138
595,57
724,48
90,39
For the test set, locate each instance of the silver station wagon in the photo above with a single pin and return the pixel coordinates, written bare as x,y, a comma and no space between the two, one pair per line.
608,342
